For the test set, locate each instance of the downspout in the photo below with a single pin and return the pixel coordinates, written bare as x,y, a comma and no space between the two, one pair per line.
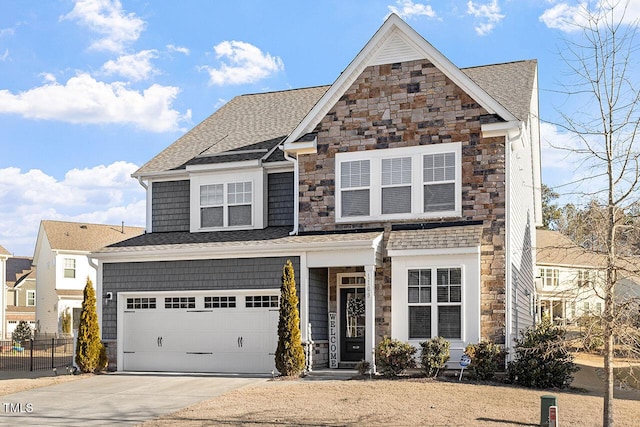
296,191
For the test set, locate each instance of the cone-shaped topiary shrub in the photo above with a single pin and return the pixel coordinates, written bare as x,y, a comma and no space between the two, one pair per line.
289,354
434,355
542,358
22,332
89,346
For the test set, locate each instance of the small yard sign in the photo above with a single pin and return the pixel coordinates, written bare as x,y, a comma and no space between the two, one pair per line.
465,361
553,416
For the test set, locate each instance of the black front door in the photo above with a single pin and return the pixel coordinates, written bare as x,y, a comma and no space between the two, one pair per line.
352,324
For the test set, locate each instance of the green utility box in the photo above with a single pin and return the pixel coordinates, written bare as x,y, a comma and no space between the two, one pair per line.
546,402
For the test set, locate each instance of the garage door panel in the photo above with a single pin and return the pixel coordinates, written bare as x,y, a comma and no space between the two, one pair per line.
221,339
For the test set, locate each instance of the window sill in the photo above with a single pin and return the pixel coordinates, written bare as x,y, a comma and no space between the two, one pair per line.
449,215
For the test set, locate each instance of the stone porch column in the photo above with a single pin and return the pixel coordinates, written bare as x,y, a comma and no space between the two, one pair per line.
370,315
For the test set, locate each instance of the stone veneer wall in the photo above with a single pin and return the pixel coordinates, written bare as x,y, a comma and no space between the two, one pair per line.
420,106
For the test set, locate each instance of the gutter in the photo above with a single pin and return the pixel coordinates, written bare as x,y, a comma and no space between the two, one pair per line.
296,191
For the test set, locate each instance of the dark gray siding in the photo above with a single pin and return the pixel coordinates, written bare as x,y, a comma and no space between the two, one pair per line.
318,303
280,199
170,206
244,273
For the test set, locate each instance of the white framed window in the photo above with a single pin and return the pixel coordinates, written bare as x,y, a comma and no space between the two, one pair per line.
70,268
399,183
435,303
230,208
355,181
550,277
439,175
31,298
396,185
228,201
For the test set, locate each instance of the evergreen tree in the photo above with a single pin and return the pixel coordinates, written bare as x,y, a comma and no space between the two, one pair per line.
289,354
89,346
22,332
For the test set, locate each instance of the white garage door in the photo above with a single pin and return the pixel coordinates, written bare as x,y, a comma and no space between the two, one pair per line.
198,332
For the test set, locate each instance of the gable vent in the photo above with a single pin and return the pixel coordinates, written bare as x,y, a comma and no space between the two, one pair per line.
396,49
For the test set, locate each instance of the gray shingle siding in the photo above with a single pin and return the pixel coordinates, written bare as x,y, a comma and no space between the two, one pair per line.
280,202
170,206
209,274
318,303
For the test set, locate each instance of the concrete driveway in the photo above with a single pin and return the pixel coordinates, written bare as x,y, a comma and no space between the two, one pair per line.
114,399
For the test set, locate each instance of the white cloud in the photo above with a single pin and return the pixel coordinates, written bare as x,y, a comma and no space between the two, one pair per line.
408,9
101,194
7,32
246,64
5,55
179,49
107,18
488,14
570,17
135,67
85,100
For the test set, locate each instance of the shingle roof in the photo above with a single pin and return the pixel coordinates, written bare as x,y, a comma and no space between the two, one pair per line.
80,236
243,121
3,251
554,248
257,118
17,268
436,238
511,84
219,240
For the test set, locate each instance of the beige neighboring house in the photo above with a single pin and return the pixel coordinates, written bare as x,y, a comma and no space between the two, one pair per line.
4,255
63,265
20,294
570,278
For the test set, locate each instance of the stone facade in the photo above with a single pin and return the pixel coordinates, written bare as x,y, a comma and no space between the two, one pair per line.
403,105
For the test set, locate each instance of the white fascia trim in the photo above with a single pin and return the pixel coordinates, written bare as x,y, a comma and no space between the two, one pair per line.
509,128
366,55
171,175
278,167
305,147
251,251
224,166
71,252
435,251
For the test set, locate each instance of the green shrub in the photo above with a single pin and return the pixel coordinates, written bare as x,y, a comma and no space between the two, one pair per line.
591,333
394,357
22,332
487,358
542,358
434,355
89,346
289,354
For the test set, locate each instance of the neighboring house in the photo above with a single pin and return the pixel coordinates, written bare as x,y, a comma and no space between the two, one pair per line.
63,265
406,195
4,255
20,294
570,279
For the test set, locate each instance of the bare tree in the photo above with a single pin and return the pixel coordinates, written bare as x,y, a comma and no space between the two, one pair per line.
603,65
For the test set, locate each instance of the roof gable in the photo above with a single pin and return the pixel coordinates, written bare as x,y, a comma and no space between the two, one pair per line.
394,42
3,251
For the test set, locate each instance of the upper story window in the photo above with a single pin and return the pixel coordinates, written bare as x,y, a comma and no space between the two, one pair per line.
227,201
399,183
585,278
70,268
31,298
550,277
225,205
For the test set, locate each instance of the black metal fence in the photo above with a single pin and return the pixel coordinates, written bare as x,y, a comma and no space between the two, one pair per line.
35,355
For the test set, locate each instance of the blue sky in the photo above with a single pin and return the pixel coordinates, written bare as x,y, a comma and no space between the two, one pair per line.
92,89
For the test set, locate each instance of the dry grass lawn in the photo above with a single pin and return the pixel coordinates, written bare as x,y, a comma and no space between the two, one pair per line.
393,403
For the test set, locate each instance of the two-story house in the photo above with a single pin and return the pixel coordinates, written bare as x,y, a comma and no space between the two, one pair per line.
20,294
63,265
405,194
4,255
